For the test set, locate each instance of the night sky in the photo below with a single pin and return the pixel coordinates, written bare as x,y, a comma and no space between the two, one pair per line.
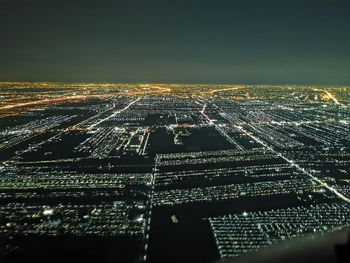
187,41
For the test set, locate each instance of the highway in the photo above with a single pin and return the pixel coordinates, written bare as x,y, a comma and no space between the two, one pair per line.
114,114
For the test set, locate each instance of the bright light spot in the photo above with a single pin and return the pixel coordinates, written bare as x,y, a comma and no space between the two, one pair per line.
48,212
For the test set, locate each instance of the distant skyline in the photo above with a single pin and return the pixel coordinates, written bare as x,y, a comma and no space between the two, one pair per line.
180,41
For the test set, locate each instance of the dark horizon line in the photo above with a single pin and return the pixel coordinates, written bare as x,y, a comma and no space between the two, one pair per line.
277,83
